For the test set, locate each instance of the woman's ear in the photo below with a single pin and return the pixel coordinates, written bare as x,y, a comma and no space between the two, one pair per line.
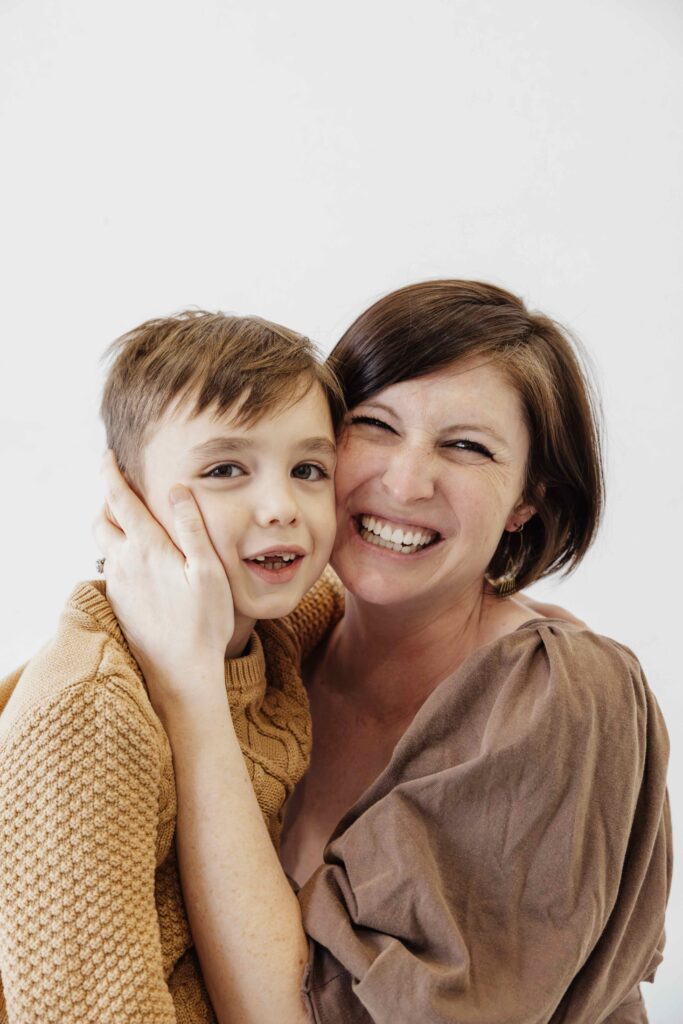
520,515
524,510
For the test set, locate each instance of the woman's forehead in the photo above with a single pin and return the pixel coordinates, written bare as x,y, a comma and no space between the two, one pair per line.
476,384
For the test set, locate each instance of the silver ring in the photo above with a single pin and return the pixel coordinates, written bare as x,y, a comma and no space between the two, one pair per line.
99,565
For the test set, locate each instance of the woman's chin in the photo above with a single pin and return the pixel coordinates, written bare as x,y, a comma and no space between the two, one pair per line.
372,580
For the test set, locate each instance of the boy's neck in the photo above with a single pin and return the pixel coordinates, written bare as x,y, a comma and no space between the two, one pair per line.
240,637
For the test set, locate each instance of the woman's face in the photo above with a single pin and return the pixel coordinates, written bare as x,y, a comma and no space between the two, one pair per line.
429,474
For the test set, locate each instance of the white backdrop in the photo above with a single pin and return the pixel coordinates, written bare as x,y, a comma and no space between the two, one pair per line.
298,160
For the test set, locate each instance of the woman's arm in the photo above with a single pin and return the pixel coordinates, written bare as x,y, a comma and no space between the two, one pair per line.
244,916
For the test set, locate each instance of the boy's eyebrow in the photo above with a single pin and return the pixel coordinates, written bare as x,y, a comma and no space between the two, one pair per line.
217,446
322,445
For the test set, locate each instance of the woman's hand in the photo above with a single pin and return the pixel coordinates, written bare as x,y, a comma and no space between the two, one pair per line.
174,606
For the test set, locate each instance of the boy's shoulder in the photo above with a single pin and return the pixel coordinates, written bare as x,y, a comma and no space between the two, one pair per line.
87,650
318,612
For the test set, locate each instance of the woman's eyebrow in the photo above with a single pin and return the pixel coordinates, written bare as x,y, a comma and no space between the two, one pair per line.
378,405
481,428
453,427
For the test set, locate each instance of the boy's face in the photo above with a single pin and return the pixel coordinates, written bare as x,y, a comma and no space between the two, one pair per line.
265,491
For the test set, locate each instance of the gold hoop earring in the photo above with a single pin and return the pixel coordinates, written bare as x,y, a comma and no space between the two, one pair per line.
506,584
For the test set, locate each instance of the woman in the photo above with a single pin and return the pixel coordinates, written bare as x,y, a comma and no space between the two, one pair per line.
483,834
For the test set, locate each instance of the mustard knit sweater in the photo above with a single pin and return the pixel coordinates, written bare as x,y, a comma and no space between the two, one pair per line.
92,923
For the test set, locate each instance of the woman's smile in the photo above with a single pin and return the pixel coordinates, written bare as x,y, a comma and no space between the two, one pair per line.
392,536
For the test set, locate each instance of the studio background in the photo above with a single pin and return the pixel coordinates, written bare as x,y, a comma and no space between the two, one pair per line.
298,160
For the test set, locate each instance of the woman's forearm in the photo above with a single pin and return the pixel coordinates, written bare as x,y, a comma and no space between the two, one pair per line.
244,917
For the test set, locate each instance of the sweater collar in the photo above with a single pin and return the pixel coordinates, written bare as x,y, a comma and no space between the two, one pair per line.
246,674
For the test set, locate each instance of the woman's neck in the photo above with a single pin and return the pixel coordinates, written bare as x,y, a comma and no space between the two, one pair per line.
388,659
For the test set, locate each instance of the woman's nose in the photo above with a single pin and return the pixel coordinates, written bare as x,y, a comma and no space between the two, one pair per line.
277,505
409,475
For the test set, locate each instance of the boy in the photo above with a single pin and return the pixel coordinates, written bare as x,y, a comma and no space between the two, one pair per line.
92,923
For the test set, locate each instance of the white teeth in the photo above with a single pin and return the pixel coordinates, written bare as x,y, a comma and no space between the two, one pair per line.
284,556
402,549
388,535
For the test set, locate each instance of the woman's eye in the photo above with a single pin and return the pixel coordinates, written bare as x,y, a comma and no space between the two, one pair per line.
465,445
309,471
226,471
371,421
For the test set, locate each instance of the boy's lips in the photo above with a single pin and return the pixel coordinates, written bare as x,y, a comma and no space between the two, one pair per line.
276,564
277,549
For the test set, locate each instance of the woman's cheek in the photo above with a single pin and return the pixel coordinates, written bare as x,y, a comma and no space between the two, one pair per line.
357,463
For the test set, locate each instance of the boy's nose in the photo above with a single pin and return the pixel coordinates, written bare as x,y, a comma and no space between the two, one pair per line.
277,507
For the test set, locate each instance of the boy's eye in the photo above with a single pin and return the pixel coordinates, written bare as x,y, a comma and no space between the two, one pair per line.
226,470
465,445
309,471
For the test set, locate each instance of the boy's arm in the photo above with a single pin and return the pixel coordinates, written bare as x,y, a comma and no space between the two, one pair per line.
79,796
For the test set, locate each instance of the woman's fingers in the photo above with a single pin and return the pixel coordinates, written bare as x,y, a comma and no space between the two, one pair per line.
107,536
125,507
191,535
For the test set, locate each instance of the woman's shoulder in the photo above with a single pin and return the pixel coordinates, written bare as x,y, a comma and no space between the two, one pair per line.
567,672
577,654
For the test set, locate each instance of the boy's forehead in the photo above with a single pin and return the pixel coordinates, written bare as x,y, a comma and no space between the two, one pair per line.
294,419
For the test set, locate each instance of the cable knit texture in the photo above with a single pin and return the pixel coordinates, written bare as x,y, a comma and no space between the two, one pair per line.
92,922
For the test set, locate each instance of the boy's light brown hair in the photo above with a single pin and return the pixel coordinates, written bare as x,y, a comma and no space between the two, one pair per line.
208,359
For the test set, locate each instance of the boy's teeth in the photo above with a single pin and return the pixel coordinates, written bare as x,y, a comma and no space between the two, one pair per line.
285,556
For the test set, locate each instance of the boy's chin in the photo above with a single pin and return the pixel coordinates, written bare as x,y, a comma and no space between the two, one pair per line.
272,605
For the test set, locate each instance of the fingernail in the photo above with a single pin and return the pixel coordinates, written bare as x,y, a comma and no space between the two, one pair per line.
177,494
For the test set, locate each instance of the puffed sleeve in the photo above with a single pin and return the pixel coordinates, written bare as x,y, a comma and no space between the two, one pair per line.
512,863
79,807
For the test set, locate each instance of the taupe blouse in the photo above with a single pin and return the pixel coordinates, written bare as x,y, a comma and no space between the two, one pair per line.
512,863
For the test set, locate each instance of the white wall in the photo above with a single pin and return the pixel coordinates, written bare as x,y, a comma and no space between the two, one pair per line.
298,160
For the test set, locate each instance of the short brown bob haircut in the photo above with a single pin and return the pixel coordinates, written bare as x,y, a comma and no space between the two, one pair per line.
426,327
209,360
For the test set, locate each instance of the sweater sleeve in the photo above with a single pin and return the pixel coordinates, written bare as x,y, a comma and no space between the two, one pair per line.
512,863
79,807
